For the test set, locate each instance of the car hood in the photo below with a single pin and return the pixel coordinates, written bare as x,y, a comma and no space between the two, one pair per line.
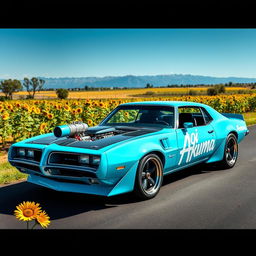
129,133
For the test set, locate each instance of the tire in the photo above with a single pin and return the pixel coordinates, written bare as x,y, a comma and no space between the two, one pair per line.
149,177
230,152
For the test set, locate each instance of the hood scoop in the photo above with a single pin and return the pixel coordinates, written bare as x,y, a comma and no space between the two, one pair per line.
99,130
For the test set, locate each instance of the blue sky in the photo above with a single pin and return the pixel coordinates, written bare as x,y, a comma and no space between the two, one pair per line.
117,52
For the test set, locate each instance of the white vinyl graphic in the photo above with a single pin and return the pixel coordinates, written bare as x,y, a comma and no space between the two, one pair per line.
192,148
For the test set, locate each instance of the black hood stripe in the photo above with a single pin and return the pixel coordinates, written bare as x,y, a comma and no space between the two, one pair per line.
96,144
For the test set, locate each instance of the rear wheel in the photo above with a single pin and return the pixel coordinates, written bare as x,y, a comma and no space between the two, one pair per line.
149,177
230,152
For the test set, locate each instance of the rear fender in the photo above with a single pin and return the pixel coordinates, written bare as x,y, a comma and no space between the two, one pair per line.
223,129
218,154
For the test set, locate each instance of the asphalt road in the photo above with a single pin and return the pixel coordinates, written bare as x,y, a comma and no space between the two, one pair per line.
202,197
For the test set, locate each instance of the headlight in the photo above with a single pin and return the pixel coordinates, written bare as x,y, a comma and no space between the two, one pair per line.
30,153
84,159
89,159
95,160
21,152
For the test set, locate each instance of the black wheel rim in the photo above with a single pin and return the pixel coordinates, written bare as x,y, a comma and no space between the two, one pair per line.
151,176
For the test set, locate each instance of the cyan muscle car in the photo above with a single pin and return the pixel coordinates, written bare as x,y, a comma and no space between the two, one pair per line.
131,149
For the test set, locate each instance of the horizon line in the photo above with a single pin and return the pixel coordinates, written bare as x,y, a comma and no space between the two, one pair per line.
70,77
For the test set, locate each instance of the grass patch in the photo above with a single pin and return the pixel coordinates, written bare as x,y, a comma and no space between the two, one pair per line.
10,174
250,118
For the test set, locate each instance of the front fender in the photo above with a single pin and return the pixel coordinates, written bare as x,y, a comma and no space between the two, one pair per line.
126,184
127,154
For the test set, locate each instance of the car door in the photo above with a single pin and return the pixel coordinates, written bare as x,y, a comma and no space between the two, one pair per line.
195,143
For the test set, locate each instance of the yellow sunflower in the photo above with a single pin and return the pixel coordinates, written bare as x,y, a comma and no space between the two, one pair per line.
43,219
79,110
37,111
5,116
25,106
67,108
50,116
29,109
90,122
42,126
27,211
44,112
9,106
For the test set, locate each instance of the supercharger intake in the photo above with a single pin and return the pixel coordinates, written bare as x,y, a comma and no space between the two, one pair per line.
70,130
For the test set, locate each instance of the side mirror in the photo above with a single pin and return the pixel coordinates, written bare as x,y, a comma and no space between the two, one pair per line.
188,125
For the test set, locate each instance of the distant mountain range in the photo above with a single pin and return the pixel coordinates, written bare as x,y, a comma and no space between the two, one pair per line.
139,81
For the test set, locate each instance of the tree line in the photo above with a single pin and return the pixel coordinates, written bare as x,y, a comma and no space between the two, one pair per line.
34,85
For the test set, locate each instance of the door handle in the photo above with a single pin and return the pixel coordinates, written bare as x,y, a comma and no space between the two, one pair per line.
211,131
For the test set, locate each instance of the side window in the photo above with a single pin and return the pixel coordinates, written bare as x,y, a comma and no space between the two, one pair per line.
207,116
191,114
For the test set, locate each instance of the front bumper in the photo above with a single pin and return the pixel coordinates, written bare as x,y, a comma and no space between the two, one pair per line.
124,185
64,186
89,181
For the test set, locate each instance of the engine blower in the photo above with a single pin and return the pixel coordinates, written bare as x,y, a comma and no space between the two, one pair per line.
70,130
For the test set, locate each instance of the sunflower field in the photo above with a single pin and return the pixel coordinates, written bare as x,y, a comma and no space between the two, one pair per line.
21,119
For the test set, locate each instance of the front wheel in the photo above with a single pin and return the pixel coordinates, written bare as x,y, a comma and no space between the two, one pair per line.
149,177
230,152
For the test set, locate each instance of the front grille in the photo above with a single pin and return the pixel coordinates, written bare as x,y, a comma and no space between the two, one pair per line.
69,159
62,158
68,172
36,158
26,166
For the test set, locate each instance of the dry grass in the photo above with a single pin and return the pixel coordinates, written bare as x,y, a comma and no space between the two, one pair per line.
120,94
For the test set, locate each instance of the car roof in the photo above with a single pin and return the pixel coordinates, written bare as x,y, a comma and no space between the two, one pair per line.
166,103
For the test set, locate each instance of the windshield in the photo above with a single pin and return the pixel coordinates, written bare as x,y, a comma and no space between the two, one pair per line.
141,115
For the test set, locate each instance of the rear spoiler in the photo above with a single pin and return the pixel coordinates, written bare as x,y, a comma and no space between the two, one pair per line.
236,116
